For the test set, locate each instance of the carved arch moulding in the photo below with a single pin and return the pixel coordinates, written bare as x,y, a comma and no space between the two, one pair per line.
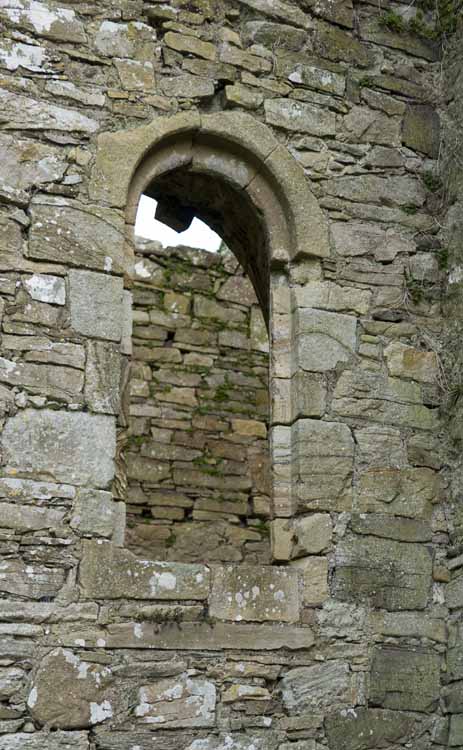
263,208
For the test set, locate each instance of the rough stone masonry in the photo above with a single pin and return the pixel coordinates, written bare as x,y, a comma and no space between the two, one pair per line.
201,550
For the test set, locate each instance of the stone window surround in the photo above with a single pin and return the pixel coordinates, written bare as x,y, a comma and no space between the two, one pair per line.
234,148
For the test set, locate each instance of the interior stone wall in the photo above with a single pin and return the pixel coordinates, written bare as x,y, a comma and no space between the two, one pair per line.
337,107
198,456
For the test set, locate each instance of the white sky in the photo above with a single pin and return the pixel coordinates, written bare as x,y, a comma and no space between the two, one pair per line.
198,235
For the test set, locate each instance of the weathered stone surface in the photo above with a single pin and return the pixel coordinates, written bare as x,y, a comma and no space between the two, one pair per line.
62,383
68,692
25,164
312,534
364,238
421,129
386,573
66,232
269,33
96,304
30,581
409,625
319,79
36,740
24,113
236,741
324,339
103,377
407,362
405,680
108,572
324,454
309,395
59,24
136,75
319,687
280,10
367,728
400,529
314,573
365,125
29,518
132,40
189,44
456,730
188,86
96,513
299,117
329,296
69,447
179,702
400,492
254,593
400,191
44,288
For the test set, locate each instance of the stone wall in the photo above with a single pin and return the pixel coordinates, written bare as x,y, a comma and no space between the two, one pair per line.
198,454
308,134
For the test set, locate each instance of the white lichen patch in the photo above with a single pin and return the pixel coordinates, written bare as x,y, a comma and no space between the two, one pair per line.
99,712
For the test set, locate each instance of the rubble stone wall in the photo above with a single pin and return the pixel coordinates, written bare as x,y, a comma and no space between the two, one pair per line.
307,133
198,455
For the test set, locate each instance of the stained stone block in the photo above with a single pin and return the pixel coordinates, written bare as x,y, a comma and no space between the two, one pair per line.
456,730
46,288
387,574
319,687
236,741
103,377
405,680
368,728
26,113
314,574
177,702
299,116
407,362
64,231
408,493
309,395
61,383
396,190
248,592
71,447
30,581
323,452
40,740
96,513
58,24
421,129
29,518
110,572
68,692
96,304
324,339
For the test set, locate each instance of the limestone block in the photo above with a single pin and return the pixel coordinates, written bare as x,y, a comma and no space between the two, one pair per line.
318,688
37,740
282,537
146,469
335,44
71,447
341,620
96,304
248,592
312,534
237,741
197,636
45,288
270,34
109,572
91,97
323,452
191,45
10,245
367,394
328,296
103,377
26,163
324,339
25,113
238,289
30,581
407,362
314,574
406,680
133,40
19,489
389,527
365,125
401,492
96,513
368,728
380,447
177,702
61,383
319,79
281,10
421,129
258,331
396,190
30,57
68,692
58,24
409,625
65,231
308,395
136,75
204,307
388,574
299,116
187,86
363,238
238,692
455,652
456,730
29,518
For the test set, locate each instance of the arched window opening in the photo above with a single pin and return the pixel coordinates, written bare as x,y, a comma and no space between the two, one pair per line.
197,456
